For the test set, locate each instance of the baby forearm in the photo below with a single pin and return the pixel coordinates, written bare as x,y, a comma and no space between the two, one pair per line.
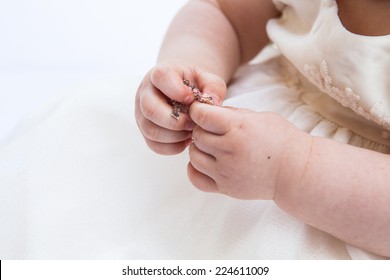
201,35
342,190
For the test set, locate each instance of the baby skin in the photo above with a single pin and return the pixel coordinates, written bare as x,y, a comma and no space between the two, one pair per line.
340,189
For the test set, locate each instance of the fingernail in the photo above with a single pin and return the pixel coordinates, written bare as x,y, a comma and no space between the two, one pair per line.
188,142
190,125
216,100
188,99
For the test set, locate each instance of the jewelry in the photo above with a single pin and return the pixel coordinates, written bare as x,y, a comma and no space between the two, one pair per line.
177,107
201,97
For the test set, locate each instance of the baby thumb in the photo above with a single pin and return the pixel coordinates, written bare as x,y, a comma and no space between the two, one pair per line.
212,85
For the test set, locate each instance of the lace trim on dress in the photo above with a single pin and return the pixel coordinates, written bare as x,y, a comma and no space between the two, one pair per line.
347,97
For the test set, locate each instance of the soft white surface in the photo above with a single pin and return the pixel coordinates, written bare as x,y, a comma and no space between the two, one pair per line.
48,46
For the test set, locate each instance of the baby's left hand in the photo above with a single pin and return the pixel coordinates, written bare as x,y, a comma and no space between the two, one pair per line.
240,152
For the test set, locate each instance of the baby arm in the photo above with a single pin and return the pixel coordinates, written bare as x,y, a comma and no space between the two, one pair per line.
343,190
335,187
205,43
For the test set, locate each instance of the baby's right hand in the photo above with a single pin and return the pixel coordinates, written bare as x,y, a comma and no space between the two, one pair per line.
163,133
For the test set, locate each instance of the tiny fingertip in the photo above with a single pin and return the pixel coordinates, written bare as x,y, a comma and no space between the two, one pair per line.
190,125
189,99
189,142
215,99
217,102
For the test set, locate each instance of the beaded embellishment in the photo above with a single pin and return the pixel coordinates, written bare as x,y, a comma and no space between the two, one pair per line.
347,97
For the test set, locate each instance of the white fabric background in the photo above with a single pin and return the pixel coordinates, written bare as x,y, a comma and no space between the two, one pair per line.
49,46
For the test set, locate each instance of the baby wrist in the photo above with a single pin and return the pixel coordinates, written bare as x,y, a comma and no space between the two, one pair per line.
292,169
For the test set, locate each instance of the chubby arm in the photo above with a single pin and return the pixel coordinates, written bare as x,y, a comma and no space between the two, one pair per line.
338,188
218,35
341,189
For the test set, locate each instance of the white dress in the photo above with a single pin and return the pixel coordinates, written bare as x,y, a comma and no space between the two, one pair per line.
77,180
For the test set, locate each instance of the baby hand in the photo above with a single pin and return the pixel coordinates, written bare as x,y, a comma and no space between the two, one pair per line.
163,133
239,152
